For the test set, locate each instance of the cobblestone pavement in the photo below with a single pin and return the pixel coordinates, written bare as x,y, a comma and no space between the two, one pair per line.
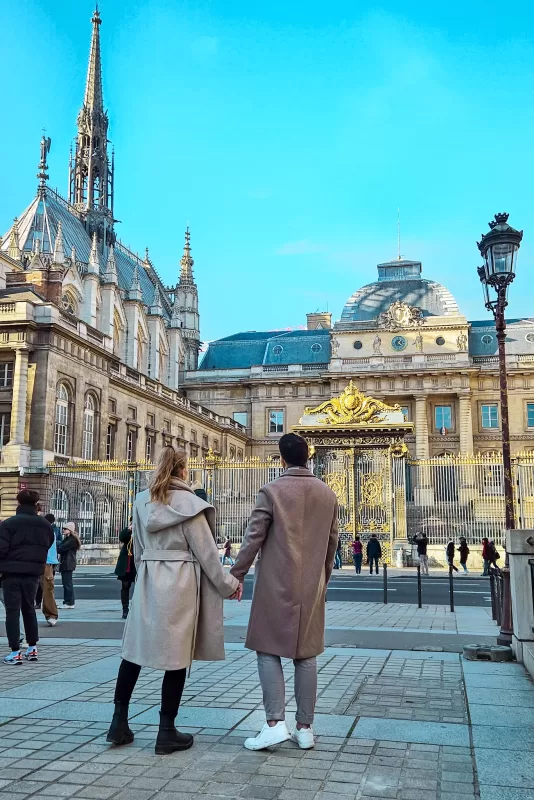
391,724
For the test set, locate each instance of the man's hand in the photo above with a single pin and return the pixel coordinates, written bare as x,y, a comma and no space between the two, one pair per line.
238,594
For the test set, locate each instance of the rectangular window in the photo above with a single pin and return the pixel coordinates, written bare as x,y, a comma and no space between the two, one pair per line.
193,450
132,412
149,449
443,417
5,422
489,415
112,405
150,420
530,415
193,436
406,413
167,425
60,431
216,445
6,373
241,417
205,442
110,443
130,445
276,420
181,431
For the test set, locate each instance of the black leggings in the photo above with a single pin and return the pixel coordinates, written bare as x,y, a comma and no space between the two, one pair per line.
171,688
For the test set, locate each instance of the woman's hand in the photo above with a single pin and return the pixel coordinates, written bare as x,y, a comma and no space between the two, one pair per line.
238,594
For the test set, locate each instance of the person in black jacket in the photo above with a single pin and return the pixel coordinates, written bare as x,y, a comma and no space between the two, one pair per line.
421,540
450,555
24,543
374,552
464,552
67,564
125,569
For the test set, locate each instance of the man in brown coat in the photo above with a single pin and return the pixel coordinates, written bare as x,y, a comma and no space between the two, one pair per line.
294,525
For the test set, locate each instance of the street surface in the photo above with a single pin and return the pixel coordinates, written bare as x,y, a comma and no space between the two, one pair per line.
99,583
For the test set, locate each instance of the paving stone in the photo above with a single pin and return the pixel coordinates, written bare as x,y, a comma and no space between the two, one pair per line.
408,731
514,771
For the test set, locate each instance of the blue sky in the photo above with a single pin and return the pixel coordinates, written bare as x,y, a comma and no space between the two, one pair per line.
286,135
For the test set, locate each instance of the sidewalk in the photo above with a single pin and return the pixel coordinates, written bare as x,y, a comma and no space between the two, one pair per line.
409,726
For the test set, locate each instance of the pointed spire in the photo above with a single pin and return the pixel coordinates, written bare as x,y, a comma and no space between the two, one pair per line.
147,263
14,247
157,305
110,275
93,268
135,293
73,257
186,262
59,246
93,98
43,166
36,259
176,318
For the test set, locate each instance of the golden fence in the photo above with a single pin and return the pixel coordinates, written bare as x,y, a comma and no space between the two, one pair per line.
450,495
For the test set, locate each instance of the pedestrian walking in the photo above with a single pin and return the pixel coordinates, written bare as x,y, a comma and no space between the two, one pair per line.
485,556
52,553
449,552
421,542
357,554
227,555
338,559
125,568
67,551
25,540
493,555
293,527
464,552
176,614
374,552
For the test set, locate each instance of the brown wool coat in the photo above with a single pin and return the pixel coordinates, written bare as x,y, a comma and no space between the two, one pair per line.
176,614
294,527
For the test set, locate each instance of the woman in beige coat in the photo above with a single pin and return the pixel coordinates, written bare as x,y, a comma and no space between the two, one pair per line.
176,613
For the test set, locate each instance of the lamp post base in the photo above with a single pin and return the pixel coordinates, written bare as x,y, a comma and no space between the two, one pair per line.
507,630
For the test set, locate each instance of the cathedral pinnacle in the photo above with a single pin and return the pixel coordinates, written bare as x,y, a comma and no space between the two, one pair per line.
135,293
157,305
93,268
186,262
59,246
93,98
110,275
14,246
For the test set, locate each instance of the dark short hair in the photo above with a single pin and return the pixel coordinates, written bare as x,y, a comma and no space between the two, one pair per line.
50,518
294,450
27,497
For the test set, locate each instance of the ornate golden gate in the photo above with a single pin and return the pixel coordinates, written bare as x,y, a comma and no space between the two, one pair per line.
358,450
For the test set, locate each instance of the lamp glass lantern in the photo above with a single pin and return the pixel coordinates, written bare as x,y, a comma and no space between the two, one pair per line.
499,249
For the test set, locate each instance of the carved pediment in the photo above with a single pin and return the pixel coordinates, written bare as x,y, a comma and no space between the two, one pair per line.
400,315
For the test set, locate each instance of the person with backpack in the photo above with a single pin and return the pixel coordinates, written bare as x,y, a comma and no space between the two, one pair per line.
357,554
464,552
493,555
67,552
374,552
25,540
449,552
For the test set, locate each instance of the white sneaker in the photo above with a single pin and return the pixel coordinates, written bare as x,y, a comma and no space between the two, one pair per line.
51,621
268,737
304,738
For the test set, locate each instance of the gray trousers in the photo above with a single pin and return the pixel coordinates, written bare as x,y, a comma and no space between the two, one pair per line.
274,688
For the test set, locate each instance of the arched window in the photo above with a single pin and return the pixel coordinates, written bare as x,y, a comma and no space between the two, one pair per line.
86,518
61,428
69,304
88,428
59,506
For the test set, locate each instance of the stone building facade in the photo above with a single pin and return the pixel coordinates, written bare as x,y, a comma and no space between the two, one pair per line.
93,346
402,339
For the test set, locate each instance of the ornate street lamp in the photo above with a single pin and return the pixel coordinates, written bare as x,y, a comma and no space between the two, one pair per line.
499,249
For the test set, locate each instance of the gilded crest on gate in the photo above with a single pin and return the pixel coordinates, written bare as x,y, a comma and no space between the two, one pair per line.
352,406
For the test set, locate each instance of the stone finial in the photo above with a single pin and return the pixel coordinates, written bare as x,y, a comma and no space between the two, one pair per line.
110,274
14,250
59,246
93,268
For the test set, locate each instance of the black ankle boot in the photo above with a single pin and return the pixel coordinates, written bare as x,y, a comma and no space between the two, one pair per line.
119,731
125,613
169,739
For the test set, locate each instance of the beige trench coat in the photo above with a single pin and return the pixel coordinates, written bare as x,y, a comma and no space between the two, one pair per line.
294,525
176,614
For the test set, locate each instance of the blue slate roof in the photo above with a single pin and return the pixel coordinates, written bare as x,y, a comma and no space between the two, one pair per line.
519,337
40,221
254,348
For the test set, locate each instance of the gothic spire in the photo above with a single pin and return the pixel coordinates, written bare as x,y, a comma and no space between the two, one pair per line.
14,245
186,262
93,268
59,246
43,166
135,292
110,275
157,305
93,99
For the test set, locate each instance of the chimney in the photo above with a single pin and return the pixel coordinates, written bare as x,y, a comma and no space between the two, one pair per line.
318,320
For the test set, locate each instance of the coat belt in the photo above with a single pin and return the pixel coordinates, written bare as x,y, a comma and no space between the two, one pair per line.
168,555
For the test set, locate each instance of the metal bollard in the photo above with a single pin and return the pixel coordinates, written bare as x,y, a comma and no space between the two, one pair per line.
419,587
451,589
385,573
493,596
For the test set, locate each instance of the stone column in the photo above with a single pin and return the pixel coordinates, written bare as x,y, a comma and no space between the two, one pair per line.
423,492
16,452
466,488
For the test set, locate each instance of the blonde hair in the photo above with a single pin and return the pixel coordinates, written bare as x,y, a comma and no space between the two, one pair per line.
171,461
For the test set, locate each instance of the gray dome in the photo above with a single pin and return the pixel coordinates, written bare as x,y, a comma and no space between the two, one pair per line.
399,280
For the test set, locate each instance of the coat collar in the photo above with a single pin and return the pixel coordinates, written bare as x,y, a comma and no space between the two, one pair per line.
27,509
178,484
298,472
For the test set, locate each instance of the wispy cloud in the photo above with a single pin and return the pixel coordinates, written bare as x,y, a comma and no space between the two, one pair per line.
302,247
